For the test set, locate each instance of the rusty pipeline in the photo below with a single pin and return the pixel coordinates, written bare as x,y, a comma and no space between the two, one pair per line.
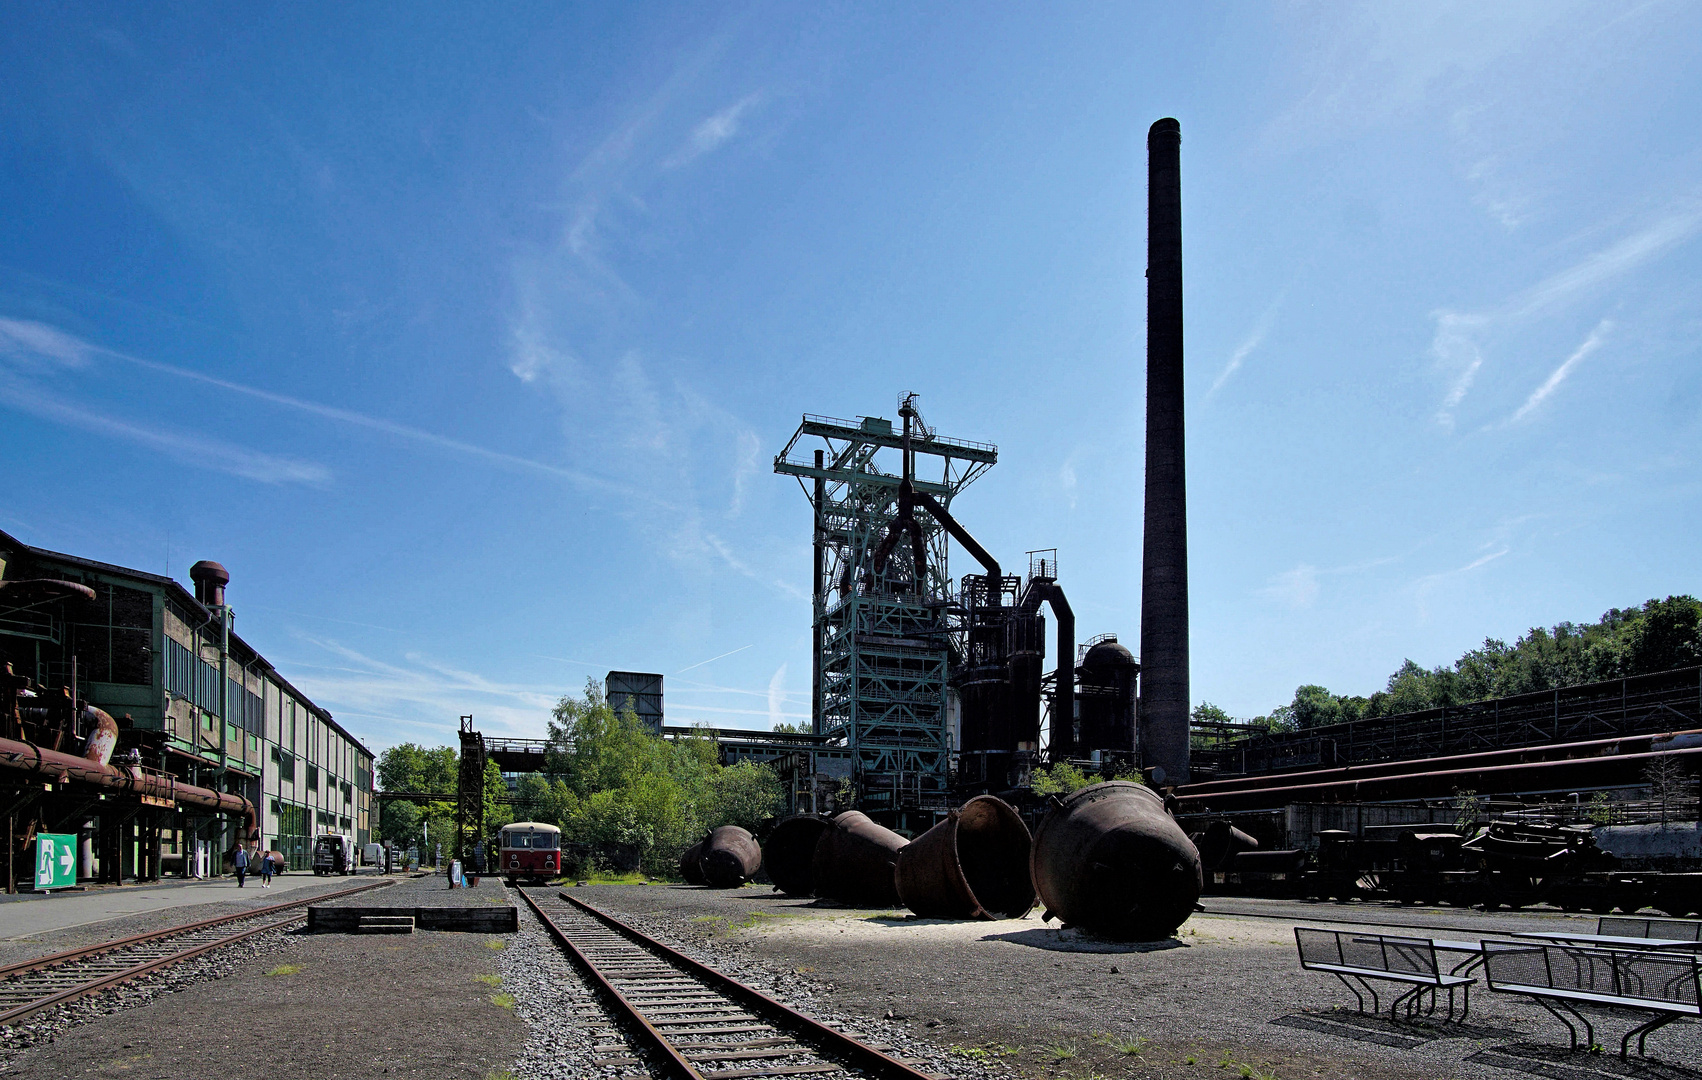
1220,843
730,857
1108,858
972,865
854,861
790,853
690,868
91,770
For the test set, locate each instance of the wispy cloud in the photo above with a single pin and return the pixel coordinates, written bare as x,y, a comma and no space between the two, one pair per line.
1541,393
1254,339
420,692
712,132
711,660
199,451
15,335
1296,588
1458,345
777,697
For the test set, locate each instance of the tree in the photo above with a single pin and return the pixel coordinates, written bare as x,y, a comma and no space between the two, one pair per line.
1314,706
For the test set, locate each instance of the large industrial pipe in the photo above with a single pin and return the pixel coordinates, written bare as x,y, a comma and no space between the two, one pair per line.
854,862
1063,742
1164,701
973,865
70,768
1108,858
1616,770
691,869
1619,744
1220,843
730,857
790,853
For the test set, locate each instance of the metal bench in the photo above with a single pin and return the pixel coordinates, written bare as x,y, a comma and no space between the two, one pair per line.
1672,929
1363,957
1562,977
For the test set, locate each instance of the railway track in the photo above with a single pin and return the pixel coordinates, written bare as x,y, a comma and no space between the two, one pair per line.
692,1022
34,985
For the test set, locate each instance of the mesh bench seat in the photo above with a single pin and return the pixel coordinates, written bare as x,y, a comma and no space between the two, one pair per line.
1629,926
1364,957
1561,977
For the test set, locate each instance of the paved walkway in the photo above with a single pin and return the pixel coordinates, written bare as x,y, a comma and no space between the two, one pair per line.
25,918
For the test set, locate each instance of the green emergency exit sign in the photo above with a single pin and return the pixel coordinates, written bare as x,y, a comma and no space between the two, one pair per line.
55,860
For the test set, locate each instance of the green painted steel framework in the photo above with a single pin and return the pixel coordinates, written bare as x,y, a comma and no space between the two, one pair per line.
882,643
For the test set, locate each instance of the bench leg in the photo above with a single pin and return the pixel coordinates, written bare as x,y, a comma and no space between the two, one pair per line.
1356,994
1570,1030
1407,997
1642,1034
1465,992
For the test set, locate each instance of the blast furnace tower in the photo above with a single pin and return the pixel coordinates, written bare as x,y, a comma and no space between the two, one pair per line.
881,593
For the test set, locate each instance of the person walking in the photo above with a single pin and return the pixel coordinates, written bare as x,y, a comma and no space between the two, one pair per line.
266,870
241,861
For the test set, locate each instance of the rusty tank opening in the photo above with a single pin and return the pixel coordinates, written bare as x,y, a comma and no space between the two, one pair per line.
790,853
972,865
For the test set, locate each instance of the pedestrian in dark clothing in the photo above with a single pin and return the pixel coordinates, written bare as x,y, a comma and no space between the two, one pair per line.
266,870
241,865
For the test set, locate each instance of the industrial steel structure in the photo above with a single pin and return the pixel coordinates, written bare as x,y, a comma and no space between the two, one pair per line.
881,634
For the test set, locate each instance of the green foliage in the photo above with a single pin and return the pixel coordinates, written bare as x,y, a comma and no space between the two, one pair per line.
1659,636
784,728
612,781
1061,779
411,767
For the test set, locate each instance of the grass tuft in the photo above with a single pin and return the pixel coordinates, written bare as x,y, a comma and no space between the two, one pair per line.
495,943
286,969
503,1001
1063,1052
488,980
1128,1047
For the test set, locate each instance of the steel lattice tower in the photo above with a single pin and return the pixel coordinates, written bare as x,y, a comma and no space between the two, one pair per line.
881,643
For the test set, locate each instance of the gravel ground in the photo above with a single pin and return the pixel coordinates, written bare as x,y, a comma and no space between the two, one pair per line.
566,1020
1225,996
325,1006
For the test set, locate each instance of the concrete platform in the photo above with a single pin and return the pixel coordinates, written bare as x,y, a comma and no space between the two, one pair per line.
477,919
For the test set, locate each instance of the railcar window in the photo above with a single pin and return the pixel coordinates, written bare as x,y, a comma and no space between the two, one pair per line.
546,840
519,840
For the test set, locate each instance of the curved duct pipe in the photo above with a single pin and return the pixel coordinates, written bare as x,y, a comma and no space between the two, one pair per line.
1063,735
905,518
970,544
94,770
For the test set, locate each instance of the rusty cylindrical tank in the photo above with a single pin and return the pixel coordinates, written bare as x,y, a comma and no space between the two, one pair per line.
1220,843
972,865
854,862
689,868
791,851
1108,858
730,857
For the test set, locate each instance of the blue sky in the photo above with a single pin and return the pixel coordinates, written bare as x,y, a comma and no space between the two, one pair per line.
465,337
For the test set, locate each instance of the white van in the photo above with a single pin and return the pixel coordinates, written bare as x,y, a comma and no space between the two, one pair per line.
333,853
372,855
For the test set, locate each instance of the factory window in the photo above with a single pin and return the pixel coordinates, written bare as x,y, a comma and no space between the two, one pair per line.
231,733
313,778
114,643
348,792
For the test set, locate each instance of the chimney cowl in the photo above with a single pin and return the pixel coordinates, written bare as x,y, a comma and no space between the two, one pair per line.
210,580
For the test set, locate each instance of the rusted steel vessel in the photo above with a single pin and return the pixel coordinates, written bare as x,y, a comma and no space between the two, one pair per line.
973,865
790,853
731,857
689,867
1110,859
854,862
